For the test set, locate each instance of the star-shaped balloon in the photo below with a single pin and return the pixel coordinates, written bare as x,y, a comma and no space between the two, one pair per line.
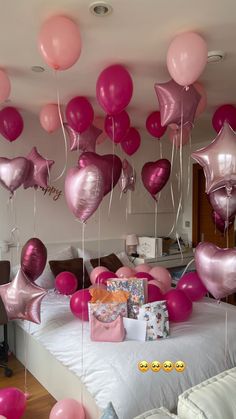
22,299
127,178
176,102
85,141
39,170
218,160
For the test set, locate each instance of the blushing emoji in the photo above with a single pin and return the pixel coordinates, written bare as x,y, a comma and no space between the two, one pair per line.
167,366
143,366
180,366
155,366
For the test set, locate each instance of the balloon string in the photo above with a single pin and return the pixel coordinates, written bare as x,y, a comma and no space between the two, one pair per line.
15,232
171,187
35,211
227,226
190,263
82,325
226,336
189,162
112,172
156,202
99,236
26,345
160,147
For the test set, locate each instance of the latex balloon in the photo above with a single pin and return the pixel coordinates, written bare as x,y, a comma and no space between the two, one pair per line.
114,89
22,298
223,203
192,286
66,283
154,293
162,275
79,304
218,160
143,267
99,123
49,117
187,57
13,172
158,284
178,136
203,101
155,175
12,403
177,105
11,123
117,126
79,114
144,275
109,165
104,276
67,409
153,125
33,258
217,269
225,113
39,170
128,177
131,142
95,272
179,305
5,86
59,42
84,190
125,272
85,141
221,224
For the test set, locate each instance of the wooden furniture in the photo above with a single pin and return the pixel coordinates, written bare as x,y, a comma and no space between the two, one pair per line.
170,261
4,348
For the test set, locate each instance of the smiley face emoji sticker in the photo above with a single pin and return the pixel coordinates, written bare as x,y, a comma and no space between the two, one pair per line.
143,366
155,366
167,366
180,366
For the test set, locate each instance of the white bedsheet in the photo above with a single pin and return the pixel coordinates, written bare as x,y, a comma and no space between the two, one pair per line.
110,370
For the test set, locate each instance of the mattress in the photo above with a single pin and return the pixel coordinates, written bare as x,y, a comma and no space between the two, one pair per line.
110,370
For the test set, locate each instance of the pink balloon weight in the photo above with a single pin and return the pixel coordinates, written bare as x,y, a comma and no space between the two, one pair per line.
131,142
59,42
79,303
175,135
192,286
12,403
67,409
95,272
143,267
187,58
179,305
33,258
154,293
5,86
66,283
225,113
49,117
79,114
125,272
104,276
153,125
162,275
203,101
114,89
117,126
11,123
144,275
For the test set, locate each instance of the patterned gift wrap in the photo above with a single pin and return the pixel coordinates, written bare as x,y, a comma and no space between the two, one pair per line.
156,316
107,312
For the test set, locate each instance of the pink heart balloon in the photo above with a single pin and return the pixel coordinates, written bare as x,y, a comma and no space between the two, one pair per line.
217,269
220,201
13,172
107,164
155,175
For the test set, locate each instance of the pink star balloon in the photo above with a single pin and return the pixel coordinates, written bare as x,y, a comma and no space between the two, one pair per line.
22,299
86,141
218,160
176,102
128,177
39,170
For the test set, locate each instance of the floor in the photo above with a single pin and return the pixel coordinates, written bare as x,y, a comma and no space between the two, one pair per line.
40,401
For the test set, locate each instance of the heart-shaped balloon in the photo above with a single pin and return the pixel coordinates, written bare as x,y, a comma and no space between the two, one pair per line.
217,269
155,175
84,189
221,224
220,201
13,172
110,165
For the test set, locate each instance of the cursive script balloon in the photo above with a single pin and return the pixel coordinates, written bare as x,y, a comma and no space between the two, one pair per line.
85,141
33,258
128,177
224,204
155,175
13,172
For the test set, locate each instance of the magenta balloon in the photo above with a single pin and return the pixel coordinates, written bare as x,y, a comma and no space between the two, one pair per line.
155,175
192,286
104,276
179,305
223,205
67,409
153,125
33,258
12,403
117,126
154,293
66,283
13,172
225,113
95,272
131,142
143,267
79,304
108,164
114,89
79,114
221,224
11,123
144,275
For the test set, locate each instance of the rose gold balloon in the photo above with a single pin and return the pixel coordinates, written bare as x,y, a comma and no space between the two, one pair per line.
86,141
224,204
39,170
13,172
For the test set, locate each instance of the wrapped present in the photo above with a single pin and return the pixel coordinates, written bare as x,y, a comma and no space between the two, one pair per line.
157,318
137,289
107,306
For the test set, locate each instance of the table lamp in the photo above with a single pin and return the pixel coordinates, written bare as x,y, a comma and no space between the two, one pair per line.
131,243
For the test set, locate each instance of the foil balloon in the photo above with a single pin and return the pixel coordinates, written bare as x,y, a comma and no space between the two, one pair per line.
218,160
177,104
12,403
131,142
180,136
225,113
128,177
153,125
33,258
110,165
155,175
11,123
39,170
84,190
217,269
22,299
85,141
13,172
223,203
220,223
117,126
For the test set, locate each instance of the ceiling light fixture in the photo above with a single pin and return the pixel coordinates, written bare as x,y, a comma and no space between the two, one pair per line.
215,56
100,8
37,69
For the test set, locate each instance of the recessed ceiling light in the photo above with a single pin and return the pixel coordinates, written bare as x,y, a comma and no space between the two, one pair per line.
100,8
215,56
37,69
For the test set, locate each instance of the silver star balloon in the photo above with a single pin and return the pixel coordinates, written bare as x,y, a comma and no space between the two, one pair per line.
85,141
127,178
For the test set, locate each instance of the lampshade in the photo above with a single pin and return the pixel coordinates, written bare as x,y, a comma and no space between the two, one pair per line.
132,240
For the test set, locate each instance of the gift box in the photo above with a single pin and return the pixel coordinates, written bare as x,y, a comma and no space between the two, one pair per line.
157,318
137,289
107,306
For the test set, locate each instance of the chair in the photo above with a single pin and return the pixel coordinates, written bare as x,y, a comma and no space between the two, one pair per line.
4,348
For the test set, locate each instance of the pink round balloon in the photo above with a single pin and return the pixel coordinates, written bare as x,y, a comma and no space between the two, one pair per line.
11,123
131,142
225,113
144,275
97,271
5,86
125,272
179,305
143,267
162,275
66,283
203,101
187,58
104,276
192,286
79,113
33,258
99,123
175,135
12,403
117,126
153,125
154,293
79,304
49,117
114,89
67,409
59,42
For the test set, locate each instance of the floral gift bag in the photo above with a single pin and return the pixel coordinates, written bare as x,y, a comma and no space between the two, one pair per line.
156,316
107,306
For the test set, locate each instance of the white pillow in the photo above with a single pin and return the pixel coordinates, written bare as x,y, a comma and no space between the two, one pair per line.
160,413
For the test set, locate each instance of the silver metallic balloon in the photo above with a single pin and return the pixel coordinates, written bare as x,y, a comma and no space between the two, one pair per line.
224,203
128,177
86,141
13,172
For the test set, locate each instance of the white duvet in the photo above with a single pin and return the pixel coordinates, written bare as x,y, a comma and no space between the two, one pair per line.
110,370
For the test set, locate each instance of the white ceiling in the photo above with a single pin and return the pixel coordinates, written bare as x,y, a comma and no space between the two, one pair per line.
136,34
